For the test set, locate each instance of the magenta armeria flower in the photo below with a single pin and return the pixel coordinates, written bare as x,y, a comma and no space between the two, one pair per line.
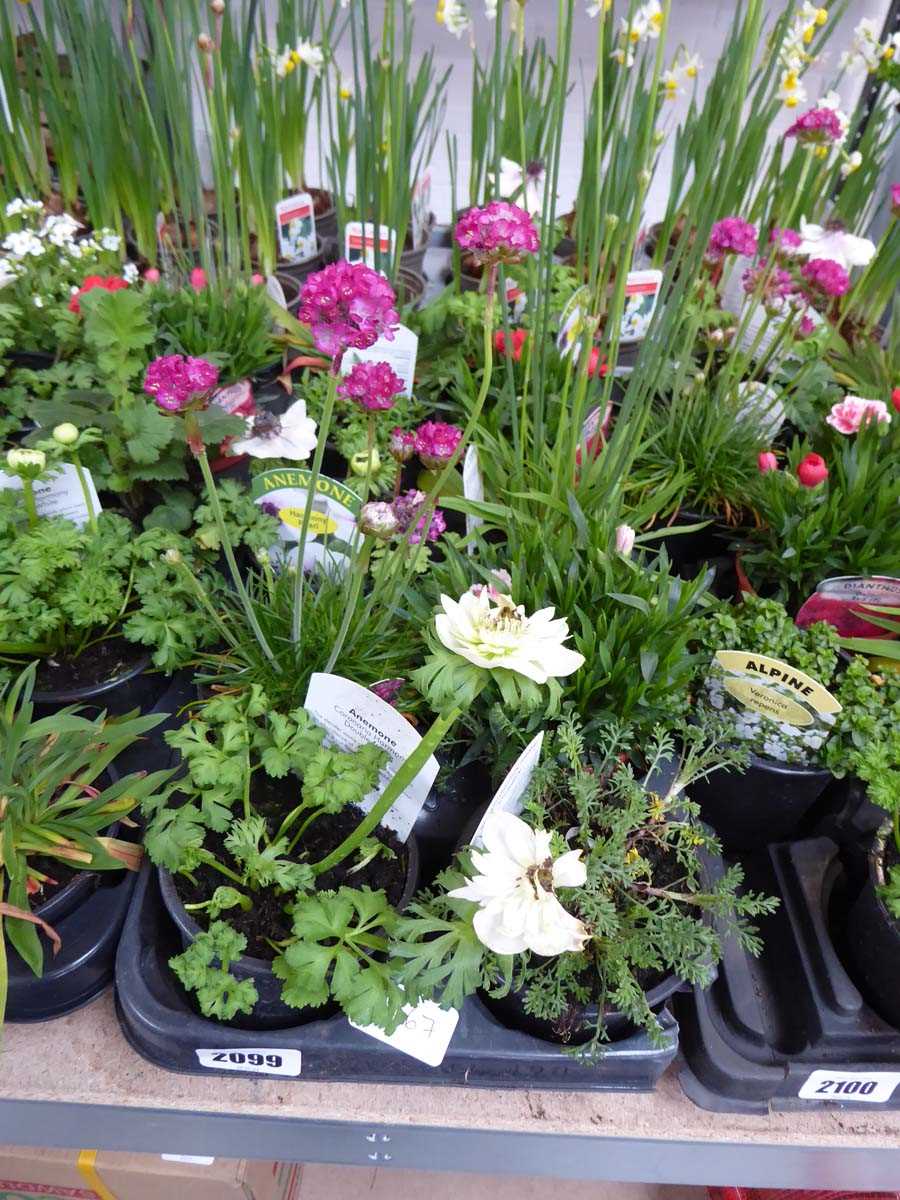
732,235
818,127
174,380
778,284
806,327
408,511
374,386
402,444
499,232
895,199
387,689
436,443
785,239
826,276
348,304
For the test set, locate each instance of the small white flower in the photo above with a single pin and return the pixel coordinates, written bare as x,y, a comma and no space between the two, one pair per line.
38,302
852,163
791,92
110,240
625,58
652,15
625,536
833,101
841,247
514,889
130,272
292,435
60,230
23,204
283,63
865,52
310,55
454,16
490,9
490,631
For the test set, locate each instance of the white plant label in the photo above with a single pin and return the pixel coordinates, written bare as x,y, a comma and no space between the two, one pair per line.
424,1035
61,495
261,1061
508,796
473,488
420,209
352,716
862,589
296,223
641,294
359,243
400,354
867,1087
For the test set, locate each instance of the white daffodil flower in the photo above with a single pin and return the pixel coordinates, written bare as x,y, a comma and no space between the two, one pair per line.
841,247
292,435
852,163
514,889
490,631
310,55
454,16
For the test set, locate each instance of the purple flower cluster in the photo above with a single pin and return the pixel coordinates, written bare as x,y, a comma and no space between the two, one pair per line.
374,386
498,232
408,511
348,304
778,286
436,443
817,127
174,380
826,276
731,235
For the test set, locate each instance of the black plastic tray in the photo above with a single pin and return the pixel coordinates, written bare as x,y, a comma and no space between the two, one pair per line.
160,1023
753,1039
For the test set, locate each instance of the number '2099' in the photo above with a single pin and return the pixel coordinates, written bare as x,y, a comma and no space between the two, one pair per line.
252,1059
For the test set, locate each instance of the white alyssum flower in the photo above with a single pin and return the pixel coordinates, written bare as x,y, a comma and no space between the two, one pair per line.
22,243
109,240
841,247
292,435
22,205
130,272
491,631
60,230
515,890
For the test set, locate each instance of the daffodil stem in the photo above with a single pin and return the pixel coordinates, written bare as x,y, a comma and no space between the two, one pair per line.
404,776
324,426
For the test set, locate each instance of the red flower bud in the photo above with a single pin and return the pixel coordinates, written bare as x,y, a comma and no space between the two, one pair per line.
812,471
198,279
766,461
517,339
895,399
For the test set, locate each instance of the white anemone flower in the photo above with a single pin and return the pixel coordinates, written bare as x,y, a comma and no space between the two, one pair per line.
292,435
514,889
526,183
491,631
841,247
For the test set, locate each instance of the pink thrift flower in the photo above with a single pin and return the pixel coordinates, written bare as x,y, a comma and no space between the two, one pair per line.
777,284
257,280
785,239
851,413
402,444
408,510
818,127
895,199
436,443
766,461
151,275
373,386
517,340
807,326
895,399
826,276
499,232
173,380
348,304
731,235
811,471
198,279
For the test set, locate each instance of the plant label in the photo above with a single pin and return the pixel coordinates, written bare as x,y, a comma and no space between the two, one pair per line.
842,602
571,321
262,1061
867,1087
352,716
61,495
473,488
763,403
775,689
199,1160
641,295
508,796
420,209
400,354
275,291
333,535
359,244
295,220
424,1035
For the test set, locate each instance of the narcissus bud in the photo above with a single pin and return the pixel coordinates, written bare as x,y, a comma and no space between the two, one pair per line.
205,43
217,6
66,434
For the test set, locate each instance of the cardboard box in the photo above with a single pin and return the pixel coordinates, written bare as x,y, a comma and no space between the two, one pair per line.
107,1175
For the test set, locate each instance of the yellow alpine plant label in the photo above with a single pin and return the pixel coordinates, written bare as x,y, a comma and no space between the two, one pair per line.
774,688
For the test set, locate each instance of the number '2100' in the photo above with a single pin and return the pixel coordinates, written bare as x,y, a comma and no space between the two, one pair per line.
846,1087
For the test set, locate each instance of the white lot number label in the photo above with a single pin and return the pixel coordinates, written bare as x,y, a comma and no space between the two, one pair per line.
261,1062
424,1035
869,1087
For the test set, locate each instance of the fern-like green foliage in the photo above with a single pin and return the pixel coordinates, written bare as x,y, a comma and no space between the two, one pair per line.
204,968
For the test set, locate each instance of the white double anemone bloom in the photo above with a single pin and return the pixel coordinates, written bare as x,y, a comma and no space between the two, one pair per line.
846,249
490,630
292,435
515,890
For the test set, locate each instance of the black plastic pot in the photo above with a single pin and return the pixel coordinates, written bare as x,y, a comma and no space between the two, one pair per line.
31,360
299,271
410,286
413,259
326,221
270,1011
453,806
768,802
134,687
290,285
873,940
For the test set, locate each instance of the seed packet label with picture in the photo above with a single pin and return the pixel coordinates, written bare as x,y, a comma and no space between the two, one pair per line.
842,601
296,223
571,321
508,796
359,244
425,1034
868,1087
775,689
261,1061
420,209
352,716
61,495
333,534
399,353
641,294
862,589
473,488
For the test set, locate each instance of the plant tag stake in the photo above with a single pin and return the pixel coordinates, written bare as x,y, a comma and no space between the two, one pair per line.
359,246
262,1061
473,488
296,222
352,716
61,495
333,532
424,1035
775,689
275,291
641,294
420,208
399,353
508,796
868,1087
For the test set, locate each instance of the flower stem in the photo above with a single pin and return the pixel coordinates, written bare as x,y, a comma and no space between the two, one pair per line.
404,776
30,507
85,491
324,425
